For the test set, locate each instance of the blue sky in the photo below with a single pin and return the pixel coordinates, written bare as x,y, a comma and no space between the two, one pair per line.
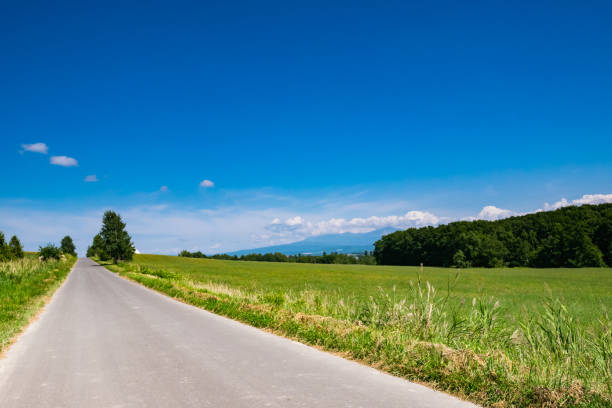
300,113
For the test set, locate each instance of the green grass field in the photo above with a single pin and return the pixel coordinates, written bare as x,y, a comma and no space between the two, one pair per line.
25,284
510,337
585,291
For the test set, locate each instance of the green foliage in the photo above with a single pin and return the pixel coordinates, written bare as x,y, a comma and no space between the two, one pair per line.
5,254
67,246
15,247
568,237
97,249
49,251
114,242
459,260
10,251
333,258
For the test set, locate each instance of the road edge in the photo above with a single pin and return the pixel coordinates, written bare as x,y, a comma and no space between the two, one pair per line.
274,332
45,299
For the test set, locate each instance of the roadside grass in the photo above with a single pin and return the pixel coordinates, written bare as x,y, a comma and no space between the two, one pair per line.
25,285
467,333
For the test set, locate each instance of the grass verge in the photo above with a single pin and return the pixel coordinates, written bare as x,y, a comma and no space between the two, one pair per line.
25,286
471,349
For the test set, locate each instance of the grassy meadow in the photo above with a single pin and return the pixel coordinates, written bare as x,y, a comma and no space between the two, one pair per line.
25,285
499,337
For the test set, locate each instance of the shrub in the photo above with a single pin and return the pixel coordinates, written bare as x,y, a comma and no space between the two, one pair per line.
50,251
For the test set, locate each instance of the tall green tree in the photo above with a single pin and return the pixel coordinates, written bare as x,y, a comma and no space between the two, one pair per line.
97,248
15,247
117,242
5,253
67,246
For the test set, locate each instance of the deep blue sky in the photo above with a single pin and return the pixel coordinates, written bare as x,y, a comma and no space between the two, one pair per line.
435,106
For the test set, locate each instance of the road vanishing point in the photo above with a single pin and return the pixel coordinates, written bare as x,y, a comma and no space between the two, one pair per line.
104,341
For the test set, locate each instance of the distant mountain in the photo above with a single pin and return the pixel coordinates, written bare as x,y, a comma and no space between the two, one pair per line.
347,243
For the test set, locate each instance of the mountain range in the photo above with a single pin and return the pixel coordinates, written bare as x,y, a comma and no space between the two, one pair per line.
348,243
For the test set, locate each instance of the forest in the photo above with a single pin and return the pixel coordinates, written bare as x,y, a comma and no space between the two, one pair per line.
568,237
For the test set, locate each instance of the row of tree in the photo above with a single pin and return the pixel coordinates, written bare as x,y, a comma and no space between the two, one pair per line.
14,250
11,250
51,251
568,237
112,242
367,258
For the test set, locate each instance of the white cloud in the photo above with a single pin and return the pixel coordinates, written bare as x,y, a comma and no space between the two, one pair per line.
585,199
298,225
207,184
163,188
64,161
91,178
35,147
491,213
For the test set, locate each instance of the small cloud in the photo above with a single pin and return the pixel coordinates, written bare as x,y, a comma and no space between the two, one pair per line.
136,251
491,213
35,147
207,184
163,188
91,178
64,161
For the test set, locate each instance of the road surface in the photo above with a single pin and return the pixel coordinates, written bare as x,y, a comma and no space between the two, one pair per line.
103,341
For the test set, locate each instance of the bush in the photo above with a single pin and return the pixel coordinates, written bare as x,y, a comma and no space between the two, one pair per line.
49,251
68,246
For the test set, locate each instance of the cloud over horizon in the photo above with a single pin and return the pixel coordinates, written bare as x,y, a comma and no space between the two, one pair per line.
491,213
166,229
299,225
585,199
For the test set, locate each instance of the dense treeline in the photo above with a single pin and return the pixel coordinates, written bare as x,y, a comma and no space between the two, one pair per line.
567,237
367,258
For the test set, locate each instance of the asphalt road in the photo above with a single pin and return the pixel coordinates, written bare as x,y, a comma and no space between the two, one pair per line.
105,342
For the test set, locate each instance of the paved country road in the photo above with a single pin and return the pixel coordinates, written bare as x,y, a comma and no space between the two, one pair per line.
105,342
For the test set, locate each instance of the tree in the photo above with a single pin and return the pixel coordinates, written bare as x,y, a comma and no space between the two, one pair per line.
5,254
15,247
459,260
116,241
67,246
49,251
97,249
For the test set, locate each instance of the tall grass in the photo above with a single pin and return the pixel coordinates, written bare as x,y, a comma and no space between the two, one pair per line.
24,285
476,349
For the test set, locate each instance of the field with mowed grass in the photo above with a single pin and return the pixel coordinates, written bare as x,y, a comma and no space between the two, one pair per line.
499,337
25,285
